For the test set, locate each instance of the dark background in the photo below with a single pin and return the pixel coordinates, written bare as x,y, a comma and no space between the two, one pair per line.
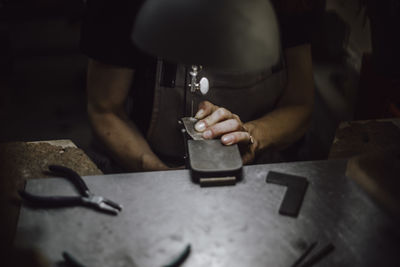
42,70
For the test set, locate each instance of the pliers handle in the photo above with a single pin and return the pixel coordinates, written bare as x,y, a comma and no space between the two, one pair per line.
71,175
50,201
87,198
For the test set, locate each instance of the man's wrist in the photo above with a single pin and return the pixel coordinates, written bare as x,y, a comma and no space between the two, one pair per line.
152,163
254,141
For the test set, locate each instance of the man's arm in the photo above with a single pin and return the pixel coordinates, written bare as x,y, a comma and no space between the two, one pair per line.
283,126
107,89
291,118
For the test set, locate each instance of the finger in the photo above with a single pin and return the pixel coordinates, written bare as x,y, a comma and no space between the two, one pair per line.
221,128
218,115
205,109
236,138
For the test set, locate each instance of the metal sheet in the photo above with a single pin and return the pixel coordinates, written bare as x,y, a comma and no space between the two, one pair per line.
227,226
189,123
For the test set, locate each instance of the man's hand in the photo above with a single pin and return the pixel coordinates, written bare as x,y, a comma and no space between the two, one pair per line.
108,89
215,122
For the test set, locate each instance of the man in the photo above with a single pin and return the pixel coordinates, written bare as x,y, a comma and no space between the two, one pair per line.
144,136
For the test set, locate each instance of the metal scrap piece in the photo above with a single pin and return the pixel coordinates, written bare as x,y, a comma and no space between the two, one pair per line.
189,123
296,189
178,261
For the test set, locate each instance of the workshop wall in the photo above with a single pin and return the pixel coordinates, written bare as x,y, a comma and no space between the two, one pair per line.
339,42
43,71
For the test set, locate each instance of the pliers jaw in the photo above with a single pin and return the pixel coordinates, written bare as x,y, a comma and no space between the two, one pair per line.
102,204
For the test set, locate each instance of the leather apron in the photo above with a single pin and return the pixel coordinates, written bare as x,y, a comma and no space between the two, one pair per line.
250,96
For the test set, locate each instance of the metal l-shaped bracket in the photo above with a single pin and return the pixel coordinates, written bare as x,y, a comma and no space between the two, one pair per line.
296,189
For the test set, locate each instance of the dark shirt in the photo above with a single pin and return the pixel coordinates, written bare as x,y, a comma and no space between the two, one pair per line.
105,37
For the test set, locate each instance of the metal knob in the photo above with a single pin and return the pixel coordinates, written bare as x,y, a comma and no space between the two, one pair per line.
204,85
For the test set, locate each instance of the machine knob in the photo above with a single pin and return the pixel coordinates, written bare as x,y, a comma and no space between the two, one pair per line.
204,85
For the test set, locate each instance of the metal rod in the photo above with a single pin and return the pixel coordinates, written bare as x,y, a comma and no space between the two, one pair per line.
185,88
306,252
319,255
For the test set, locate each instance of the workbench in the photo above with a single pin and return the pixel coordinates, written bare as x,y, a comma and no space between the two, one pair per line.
231,226
21,161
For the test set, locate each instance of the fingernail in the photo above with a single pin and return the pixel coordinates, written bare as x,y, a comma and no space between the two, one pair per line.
200,126
199,114
227,140
207,134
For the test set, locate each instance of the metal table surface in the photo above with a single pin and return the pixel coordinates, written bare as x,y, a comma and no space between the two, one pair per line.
226,226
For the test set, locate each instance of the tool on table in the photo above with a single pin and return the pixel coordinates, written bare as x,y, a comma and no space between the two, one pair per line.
315,258
180,259
87,198
211,162
296,189
70,261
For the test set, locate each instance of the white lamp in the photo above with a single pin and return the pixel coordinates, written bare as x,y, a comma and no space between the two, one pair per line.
230,35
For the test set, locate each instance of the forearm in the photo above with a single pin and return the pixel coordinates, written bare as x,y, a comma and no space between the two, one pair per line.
107,88
280,128
124,141
291,118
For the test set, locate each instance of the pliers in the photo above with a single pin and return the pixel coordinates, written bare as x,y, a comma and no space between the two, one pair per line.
87,198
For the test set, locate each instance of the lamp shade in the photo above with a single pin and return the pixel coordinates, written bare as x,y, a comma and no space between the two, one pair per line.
229,35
